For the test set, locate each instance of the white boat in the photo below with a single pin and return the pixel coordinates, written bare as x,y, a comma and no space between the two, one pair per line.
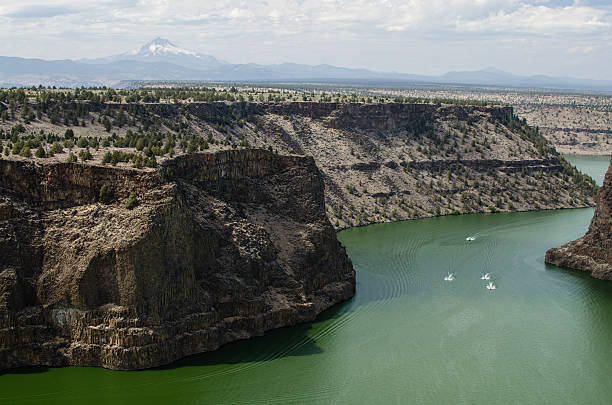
486,276
449,277
491,286
470,238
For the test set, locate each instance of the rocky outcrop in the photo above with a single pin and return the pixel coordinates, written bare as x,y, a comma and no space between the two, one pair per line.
480,165
383,117
592,252
217,247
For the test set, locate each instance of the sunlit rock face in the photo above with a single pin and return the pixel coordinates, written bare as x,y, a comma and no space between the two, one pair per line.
592,252
217,247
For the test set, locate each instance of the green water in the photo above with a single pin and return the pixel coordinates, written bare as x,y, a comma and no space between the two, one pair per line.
591,165
543,337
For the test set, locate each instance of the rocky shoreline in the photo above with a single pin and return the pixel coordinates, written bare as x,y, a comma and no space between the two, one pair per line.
592,252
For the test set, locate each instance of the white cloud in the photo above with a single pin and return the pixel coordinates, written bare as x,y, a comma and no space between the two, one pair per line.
540,20
383,34
240,13
583,49
329,15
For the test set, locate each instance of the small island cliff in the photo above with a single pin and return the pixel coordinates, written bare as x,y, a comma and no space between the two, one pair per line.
592,252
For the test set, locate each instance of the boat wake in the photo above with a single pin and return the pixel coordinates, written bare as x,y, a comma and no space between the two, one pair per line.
472,237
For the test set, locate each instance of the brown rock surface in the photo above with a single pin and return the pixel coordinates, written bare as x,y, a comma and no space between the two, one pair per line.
381,162
592,252
219,247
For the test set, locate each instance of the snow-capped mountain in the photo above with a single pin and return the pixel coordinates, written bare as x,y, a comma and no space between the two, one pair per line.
161,47
162,50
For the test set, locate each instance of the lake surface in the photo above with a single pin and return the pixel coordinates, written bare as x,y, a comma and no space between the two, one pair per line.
408,336
591,165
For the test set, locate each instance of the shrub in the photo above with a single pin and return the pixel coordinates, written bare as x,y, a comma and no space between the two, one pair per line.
85,155
40,152
137,161
131,201
106,194
107,158
107,124
82,143
119,156
150,162
17,146
25,152
56,148
71,158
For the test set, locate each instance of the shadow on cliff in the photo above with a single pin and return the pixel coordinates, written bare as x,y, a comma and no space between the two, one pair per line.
290,341
25,370
581,278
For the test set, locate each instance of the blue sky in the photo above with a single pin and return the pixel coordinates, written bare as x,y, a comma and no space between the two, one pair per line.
554,37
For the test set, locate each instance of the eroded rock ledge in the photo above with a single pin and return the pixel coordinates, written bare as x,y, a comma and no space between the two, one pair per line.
219,247
592,252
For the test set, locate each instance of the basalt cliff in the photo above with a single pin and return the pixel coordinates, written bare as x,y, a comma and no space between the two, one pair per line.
592,252
381,162
129,269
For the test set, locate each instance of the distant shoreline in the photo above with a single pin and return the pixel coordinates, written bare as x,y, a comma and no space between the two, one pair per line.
583,152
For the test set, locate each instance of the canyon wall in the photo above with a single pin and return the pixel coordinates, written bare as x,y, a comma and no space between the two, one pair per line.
386,162
204,250
392,161
592,252
380,162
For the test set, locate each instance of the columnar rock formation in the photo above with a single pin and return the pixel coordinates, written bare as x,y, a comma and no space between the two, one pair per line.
213,248
592,252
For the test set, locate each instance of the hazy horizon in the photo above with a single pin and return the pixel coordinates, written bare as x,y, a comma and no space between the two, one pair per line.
523,37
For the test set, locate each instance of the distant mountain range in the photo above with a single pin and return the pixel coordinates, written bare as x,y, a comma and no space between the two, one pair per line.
160,59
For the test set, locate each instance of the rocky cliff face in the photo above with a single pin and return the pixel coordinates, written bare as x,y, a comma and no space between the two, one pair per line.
592,252
381,162
386,162
218,247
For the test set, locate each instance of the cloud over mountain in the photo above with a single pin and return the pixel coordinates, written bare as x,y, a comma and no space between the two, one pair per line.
423,36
